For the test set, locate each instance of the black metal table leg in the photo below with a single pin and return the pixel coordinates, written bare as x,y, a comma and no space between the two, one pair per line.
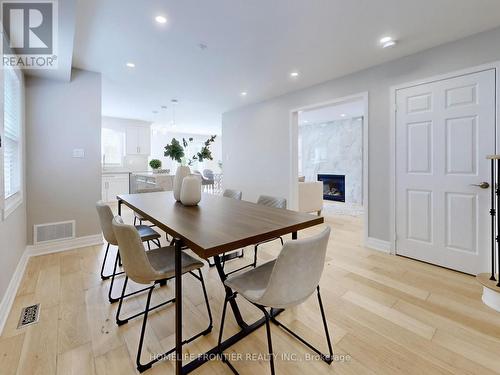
120,207
232,302
294,235
178,307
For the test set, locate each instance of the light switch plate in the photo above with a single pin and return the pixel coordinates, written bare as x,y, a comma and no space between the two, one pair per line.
79,153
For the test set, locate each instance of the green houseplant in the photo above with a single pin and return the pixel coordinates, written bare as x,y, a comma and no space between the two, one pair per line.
155,164
177,151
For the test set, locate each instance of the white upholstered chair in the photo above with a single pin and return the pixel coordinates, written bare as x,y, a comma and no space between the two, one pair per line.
146,233
151,268
283,283
311,197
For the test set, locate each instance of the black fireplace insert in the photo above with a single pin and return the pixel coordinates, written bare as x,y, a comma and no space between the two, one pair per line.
333,187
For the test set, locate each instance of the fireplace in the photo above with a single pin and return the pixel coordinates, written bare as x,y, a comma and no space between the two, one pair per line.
333,187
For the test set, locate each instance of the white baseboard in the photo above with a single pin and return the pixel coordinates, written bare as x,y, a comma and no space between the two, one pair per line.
35,250
64,245
380,245
10,293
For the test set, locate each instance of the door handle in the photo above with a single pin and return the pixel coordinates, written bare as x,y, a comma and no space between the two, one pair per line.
482,185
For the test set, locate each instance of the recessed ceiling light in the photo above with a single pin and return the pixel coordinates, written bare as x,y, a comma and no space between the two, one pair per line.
155,112
174,101
342,115
161,19
243,93
306,121
130,65
163,107
387,41
294,74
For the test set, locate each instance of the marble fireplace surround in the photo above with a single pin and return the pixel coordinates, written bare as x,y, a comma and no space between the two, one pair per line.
336,148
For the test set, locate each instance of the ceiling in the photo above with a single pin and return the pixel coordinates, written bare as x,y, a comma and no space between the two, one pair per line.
252,46
332,112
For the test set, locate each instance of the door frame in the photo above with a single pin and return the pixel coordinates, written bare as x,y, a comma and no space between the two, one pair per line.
392,142
293,147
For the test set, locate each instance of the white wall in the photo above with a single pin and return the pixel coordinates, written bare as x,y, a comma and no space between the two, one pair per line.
160,138
256,138
62,116
132,163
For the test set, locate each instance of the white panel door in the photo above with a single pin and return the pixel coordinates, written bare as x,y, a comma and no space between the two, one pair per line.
444,130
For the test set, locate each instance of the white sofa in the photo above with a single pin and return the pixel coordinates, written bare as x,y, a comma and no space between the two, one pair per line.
311,197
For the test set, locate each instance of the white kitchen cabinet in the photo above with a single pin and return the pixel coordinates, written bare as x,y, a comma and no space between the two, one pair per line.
138,140
113,185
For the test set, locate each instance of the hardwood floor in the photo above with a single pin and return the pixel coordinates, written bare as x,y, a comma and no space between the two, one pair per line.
387,315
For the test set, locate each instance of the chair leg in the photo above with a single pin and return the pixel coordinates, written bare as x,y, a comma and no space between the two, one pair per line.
141,367
269,339
110,298
325,325
103,277
281,239
255,255
118,320
135,221
209,311
149,245
326,358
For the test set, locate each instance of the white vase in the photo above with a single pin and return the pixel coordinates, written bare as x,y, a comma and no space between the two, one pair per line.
182,172
191,190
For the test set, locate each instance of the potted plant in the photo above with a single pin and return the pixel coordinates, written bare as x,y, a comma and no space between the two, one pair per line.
177,151
155,165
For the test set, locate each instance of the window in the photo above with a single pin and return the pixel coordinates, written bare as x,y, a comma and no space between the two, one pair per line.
112,146
12,133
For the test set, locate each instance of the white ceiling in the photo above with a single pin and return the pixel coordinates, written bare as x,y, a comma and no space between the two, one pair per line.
334,112
252,47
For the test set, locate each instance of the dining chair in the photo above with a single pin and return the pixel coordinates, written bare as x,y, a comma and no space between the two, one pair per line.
233,194
230,193
274,202
148,268
146,233
283,283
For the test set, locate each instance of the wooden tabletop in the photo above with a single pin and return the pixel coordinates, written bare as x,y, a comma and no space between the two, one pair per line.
217,224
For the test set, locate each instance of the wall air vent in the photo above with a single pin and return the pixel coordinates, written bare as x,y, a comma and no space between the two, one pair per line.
49,232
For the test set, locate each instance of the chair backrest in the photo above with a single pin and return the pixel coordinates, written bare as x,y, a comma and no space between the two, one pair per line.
269,201
208,173
135,261
297,271
105,219
230,193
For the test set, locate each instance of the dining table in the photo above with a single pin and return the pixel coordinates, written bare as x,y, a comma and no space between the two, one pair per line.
215,226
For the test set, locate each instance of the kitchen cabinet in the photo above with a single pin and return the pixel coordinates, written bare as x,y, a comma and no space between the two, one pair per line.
113,185
138,140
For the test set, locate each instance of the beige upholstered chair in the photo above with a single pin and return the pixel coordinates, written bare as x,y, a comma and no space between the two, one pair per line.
146,234
234,194
283,283
310,197
149,268
274,202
